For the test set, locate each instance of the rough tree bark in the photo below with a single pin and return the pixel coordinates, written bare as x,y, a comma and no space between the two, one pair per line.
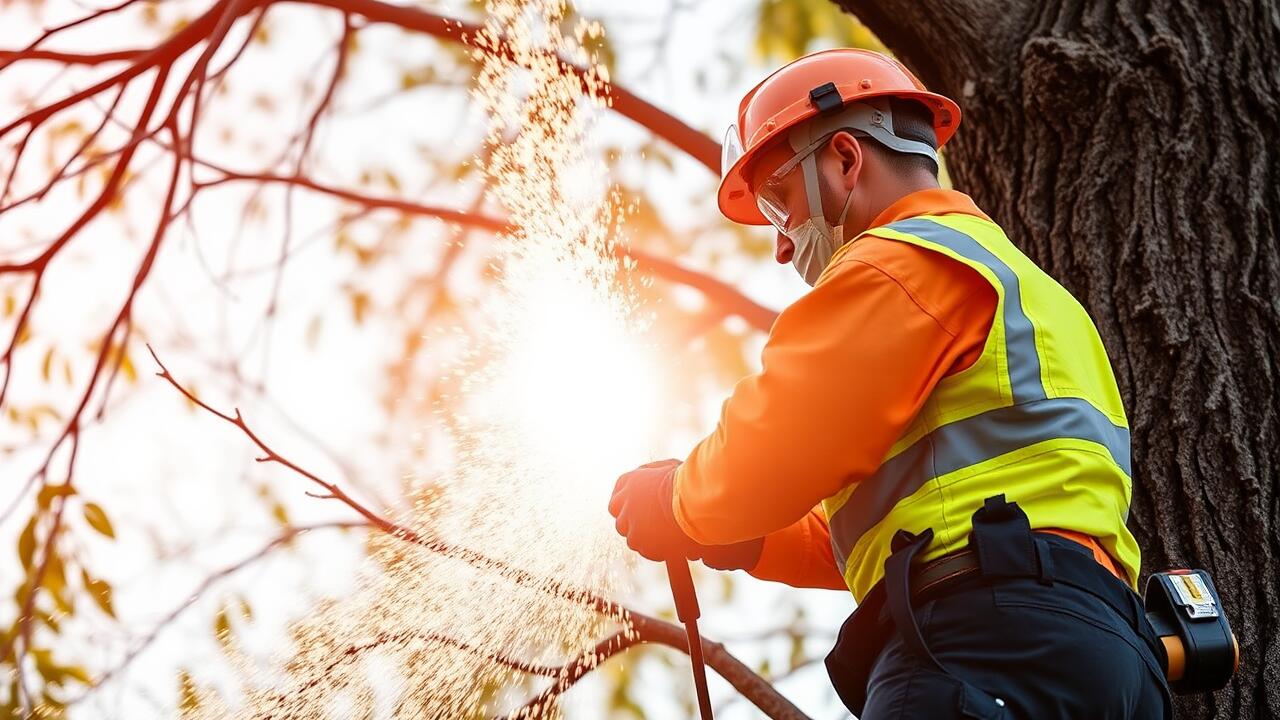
1126,146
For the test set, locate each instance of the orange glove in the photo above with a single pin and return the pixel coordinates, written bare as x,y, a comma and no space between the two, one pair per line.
642,505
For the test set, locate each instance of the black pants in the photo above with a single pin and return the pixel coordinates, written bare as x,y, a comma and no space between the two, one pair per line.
1015,648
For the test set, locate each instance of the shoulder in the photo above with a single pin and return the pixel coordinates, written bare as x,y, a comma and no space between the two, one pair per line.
952,292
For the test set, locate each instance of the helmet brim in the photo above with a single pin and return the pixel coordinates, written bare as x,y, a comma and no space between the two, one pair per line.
734,196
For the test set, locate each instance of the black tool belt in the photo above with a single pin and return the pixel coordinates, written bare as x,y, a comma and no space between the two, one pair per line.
1001,547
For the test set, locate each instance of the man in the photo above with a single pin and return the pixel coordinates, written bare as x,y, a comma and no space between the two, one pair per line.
936,426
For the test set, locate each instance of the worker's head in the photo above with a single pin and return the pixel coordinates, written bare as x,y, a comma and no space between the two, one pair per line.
826,143
833,188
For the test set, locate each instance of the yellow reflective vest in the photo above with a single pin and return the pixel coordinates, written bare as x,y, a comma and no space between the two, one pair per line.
1037,417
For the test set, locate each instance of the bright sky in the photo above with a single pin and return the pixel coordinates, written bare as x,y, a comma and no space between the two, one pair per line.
176,483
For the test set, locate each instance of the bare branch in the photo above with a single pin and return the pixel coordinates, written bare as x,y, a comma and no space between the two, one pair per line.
702,148
406,534
721,294
646,629
282,539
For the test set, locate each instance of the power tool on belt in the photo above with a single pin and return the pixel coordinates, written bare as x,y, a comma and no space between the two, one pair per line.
1184,608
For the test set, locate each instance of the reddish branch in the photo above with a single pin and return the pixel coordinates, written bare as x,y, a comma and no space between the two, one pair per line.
729,299
282,539
333,492
211,29
661,123
640,628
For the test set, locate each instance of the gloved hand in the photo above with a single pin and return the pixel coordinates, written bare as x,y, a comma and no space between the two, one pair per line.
642,504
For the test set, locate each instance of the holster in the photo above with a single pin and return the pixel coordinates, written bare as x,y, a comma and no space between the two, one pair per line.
1006,549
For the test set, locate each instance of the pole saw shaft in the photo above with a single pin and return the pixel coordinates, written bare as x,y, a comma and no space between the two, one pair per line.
686,600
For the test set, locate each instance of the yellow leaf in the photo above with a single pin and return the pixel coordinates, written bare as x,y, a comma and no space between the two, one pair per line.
222,628
359,306
280,514
40,411
47,493
79,673
55,574
126,367
46,363
98,520
190,699
27,543
49,620
100,590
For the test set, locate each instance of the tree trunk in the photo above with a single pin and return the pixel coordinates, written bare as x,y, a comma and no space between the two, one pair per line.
1127,147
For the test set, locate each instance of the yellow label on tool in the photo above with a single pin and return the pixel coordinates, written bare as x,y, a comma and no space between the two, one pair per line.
1190,588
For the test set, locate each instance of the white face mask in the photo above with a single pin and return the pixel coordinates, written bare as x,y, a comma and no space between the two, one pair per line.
816,242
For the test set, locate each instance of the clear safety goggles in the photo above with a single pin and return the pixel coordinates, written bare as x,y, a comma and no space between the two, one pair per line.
869,119
780,195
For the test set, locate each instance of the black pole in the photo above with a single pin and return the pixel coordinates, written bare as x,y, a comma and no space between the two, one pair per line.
687,610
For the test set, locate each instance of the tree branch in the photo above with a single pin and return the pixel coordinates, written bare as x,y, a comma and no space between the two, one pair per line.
283,538
332,491
696,144
644,628
721,294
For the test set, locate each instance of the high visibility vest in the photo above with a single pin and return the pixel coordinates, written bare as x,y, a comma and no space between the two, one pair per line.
1037,417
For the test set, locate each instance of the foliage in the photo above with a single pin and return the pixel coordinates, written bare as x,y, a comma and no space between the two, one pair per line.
787,29
402,269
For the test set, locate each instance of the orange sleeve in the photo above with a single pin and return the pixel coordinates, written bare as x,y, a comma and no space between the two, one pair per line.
800,555
844,371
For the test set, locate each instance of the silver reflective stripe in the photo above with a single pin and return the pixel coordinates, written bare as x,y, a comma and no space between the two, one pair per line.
1019,335
968,442
1033,418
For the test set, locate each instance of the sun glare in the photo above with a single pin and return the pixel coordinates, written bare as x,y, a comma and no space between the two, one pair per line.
557,393
581,384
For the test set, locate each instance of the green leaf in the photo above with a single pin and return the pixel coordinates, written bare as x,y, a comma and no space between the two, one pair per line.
97,519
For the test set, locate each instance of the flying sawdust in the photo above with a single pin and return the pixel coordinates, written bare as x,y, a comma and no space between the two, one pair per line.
556,395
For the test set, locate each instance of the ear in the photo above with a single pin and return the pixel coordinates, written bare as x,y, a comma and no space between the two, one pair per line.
849,152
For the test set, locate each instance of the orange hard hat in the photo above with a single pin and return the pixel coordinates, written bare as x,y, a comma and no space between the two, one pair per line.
815,84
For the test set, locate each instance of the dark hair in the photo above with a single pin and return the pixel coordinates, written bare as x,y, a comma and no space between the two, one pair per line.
911,121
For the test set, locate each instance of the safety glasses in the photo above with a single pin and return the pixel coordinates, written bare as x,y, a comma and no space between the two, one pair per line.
772,196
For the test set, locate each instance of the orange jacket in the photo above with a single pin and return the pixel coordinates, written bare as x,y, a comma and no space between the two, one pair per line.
845,370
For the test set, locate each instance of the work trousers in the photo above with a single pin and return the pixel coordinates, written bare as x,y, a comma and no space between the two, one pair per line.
1037,630
1019,649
